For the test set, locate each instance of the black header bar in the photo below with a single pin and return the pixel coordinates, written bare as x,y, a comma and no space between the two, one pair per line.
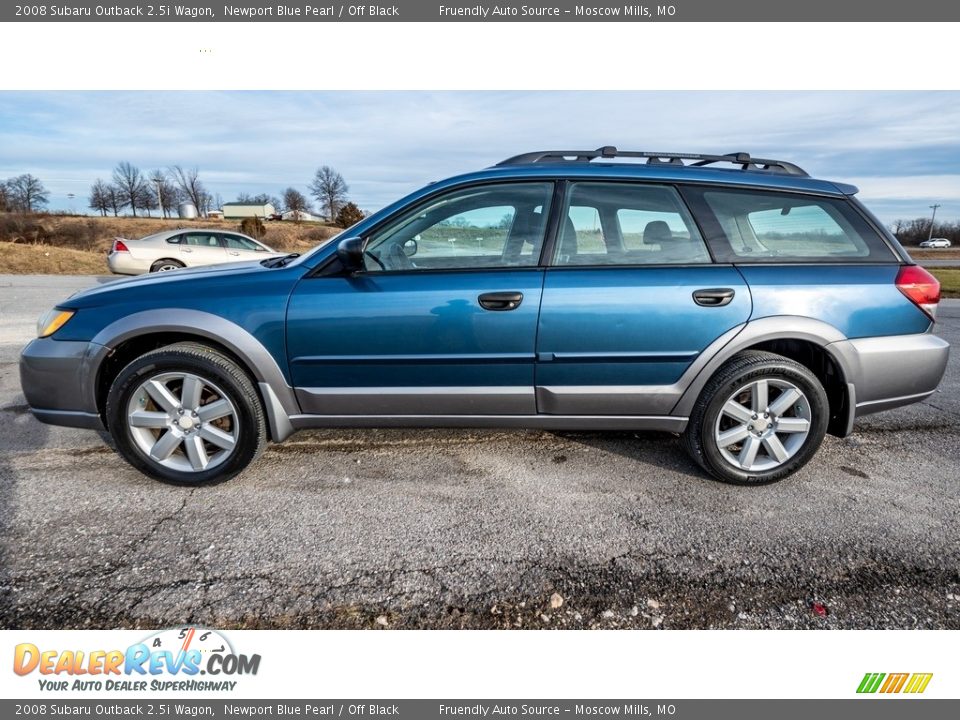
739,11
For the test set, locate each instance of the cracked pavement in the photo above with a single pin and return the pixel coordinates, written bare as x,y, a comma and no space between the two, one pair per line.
477,529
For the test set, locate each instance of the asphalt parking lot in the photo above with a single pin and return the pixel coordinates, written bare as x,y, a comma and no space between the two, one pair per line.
449,529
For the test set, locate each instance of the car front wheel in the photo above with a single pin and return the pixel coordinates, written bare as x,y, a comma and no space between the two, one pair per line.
760,418
186,414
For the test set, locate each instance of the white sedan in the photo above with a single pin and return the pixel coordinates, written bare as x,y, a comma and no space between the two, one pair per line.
935,243
174,249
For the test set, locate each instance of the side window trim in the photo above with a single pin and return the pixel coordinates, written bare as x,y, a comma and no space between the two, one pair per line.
327,269
549,258
721,247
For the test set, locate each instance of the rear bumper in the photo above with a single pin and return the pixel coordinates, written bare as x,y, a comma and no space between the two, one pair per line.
887,372
123,263
57,378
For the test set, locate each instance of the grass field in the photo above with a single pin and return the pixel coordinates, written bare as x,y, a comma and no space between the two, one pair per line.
97,233
926,256
20,259
949,281
54,244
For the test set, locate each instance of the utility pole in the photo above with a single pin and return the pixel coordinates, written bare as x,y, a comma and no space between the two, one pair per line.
160,198
934,217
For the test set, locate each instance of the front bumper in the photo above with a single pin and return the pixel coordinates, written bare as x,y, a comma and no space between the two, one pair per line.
887,372
59,382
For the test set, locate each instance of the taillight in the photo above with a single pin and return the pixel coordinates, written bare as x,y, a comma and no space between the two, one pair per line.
120,246
920,287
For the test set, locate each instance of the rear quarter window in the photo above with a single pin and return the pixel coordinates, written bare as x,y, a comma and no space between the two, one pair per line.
759,226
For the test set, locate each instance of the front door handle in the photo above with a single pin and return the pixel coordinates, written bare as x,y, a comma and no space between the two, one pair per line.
501,300
713,297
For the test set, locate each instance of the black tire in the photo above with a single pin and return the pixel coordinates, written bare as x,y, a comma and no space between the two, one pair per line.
166,265
211,366
700,441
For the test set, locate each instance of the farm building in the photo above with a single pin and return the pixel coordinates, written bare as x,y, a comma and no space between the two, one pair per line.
238,210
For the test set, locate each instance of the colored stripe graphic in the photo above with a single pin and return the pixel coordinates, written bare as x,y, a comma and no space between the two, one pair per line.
894,683
918,682
870,682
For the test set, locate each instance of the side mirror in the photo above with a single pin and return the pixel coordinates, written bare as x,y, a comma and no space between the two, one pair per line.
350,253
410,247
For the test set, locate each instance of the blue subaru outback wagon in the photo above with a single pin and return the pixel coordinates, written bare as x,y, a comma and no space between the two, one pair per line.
730,299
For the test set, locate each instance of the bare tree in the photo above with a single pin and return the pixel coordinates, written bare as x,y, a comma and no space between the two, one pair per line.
27,193
261,199
192,189
266,199
296,202
914,232
115,197
100,197
147,199
330,190
6,204
131,184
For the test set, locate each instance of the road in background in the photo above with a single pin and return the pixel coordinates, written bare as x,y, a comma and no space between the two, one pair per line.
477,528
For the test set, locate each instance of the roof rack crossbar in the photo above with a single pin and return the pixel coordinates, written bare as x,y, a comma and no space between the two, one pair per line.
744,160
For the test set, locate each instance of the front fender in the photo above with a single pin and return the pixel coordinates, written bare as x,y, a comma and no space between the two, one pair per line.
278,397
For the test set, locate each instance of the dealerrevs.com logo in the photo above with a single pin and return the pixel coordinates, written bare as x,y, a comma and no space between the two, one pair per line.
179,659
887,684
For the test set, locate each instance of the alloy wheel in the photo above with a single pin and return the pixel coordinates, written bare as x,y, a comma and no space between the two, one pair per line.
763,424
183,421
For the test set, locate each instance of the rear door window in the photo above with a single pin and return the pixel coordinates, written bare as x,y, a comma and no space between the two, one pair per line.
206,240
627,224
783,227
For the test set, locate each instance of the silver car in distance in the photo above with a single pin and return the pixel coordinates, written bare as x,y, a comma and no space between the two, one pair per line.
185,247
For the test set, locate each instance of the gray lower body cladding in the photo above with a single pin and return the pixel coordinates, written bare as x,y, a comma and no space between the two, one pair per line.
59,382
58,378
887,372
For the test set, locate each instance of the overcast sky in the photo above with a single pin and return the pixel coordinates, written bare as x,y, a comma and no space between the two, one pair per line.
901,148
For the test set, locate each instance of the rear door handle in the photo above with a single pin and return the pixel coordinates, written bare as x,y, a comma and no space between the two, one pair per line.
713,297
501,300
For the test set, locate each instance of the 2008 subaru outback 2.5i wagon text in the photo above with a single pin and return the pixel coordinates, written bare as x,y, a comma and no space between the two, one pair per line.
732,299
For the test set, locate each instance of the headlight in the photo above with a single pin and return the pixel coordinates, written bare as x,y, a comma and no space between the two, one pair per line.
52,321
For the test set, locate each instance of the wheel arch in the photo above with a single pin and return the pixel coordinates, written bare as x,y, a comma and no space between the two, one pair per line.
175,261
803,340
141,332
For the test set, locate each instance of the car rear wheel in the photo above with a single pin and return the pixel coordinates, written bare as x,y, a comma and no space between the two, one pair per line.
760,418
186,414
166,265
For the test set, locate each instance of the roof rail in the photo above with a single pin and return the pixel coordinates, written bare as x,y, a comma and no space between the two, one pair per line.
655,158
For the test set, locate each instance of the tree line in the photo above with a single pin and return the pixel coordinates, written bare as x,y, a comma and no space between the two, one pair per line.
23,194
132,189
914,232
163,190
327,187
